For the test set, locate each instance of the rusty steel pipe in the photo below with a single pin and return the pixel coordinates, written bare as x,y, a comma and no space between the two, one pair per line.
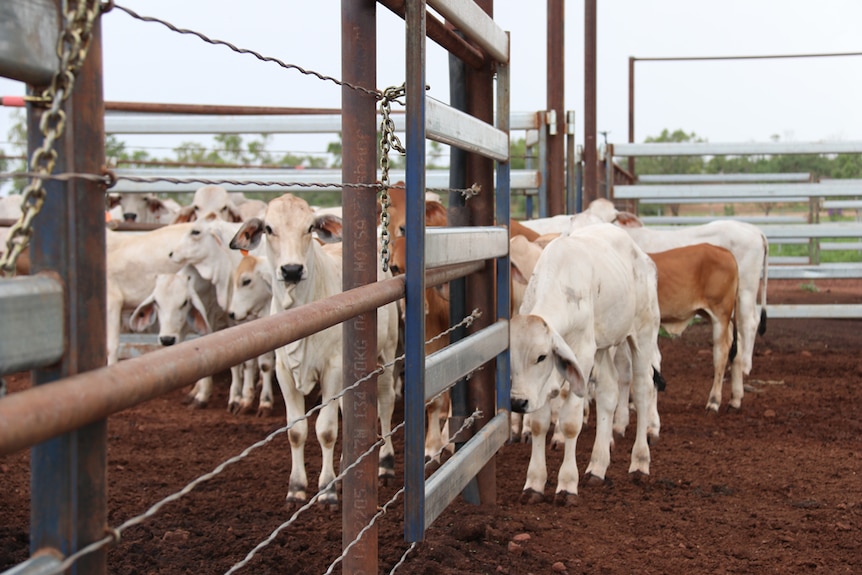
40,413
444,36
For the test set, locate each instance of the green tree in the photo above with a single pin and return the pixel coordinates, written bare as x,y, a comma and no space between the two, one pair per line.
671,164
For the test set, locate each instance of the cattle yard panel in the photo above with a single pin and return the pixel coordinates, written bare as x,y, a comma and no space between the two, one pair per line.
70,443
793,188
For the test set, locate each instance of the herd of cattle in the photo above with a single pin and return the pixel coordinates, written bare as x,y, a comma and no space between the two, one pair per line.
590,293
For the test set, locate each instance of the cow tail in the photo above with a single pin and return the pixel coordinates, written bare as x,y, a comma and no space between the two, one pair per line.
761,329
658,380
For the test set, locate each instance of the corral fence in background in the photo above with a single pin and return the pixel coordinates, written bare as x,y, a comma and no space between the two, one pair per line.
62,418
764,189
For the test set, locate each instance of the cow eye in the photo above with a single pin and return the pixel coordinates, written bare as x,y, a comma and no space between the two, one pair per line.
541,358
196,232
246,281
268,230
310,229
185,303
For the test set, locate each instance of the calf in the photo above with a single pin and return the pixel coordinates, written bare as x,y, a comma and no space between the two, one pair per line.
143,208
251,299
590,291
181,303
303,272
210,200
750,248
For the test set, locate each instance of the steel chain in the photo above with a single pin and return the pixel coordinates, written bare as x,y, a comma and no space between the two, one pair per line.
388,141
72,47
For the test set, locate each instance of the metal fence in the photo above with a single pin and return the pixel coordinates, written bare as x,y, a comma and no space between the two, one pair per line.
64,423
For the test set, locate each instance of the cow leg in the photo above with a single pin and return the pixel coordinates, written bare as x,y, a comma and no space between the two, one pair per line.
112,334
720,349
642,386
433,434
558,439
385,409
265,366
607,394
326,428
200,394
249,385
294,403
515,421
537,471
623,364
570,422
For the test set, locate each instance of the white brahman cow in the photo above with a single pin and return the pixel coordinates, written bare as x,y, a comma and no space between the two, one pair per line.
590,291
182,303
210,200
143,208
132,263
251,299
303,272
749,246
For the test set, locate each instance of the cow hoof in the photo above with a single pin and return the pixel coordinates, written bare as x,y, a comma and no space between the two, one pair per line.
531,497
199,404
293,502
712,408
566,499
233,408
651,439
591,480
639,477
619,434
264,411
733,409
557,444
188,399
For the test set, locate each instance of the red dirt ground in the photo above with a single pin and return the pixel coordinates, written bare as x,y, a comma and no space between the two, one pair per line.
775,488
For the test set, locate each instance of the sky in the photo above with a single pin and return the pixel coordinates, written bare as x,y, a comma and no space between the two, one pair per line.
725,101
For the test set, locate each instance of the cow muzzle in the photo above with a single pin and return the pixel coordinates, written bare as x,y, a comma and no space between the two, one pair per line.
519,405
291,273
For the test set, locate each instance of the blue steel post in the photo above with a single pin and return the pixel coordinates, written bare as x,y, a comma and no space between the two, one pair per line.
68,476
414,334
503,193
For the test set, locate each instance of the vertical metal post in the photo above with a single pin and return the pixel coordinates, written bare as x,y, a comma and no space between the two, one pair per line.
414,337
572,203
590,162
458,215
480,286
556,74
68,481
359,413
503,192
579,179
632,60
543,166
609,171
528,194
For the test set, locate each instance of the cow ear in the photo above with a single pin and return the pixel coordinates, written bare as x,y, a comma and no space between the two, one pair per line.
197,318
434,210
234,215
517,276
328,228
628,220
144,315
248,235
113,200
568,365
186,214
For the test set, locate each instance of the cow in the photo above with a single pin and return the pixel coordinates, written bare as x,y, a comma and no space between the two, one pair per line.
437,320
749,246
132,263
182,303
590,291
143,208
210,199
250,299
303,272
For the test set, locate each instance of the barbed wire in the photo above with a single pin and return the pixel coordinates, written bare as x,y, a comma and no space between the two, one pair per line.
371,91
110,179
468,421
114,534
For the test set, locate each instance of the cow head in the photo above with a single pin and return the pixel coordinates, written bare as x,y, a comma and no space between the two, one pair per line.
177,306
210,200
252,289
289,226
542,364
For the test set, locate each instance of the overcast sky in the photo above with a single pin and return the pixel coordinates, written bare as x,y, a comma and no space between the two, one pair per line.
751,100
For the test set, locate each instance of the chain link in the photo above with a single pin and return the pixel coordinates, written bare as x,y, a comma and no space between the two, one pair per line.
72,48
388,141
